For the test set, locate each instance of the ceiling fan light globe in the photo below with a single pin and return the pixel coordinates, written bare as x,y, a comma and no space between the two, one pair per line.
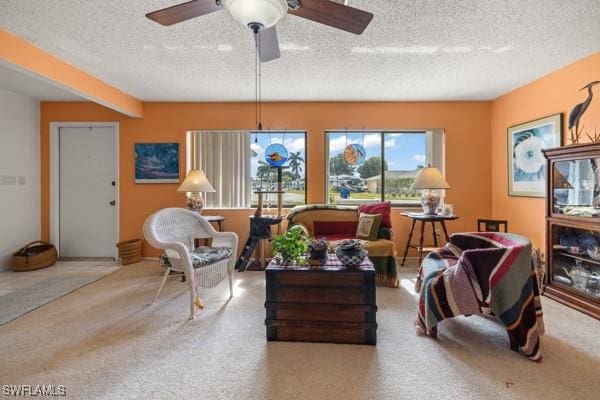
264,12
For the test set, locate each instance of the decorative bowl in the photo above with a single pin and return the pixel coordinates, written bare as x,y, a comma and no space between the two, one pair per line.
586,241
351,261
594,253
568,240
349,247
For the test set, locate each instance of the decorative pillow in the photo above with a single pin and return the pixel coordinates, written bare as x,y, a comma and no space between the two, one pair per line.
325,228
368,226
383,208
204,255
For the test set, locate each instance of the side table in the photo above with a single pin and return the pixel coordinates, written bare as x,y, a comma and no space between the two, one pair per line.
424,218
219,219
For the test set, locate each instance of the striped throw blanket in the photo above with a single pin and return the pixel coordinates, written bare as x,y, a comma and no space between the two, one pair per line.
483,272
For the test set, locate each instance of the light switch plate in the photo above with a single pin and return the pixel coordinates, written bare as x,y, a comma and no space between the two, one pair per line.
8,180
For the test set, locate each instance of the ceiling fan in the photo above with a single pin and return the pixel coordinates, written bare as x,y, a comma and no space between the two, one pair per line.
261,16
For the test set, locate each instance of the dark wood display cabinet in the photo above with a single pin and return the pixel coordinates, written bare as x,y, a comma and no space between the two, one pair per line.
573,227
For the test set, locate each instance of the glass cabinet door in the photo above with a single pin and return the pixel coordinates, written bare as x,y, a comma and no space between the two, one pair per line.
576,187
576,260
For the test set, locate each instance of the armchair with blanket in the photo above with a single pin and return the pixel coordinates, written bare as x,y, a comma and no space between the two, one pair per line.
483,273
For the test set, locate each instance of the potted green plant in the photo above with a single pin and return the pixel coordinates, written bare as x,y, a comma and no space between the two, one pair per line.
290,247
318,248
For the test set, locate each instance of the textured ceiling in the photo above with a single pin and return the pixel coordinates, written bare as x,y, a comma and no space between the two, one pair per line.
32,86
413,50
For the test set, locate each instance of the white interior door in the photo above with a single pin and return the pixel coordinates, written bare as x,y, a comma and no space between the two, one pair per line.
87,192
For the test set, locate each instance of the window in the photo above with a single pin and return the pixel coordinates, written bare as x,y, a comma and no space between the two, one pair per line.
379,166
235,165
264,177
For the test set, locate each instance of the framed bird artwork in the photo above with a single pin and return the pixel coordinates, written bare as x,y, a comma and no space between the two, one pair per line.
578,111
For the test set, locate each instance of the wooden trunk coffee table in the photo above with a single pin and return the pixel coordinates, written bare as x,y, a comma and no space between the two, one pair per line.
329,303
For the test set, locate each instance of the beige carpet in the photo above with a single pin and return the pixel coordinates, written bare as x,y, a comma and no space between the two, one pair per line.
104,341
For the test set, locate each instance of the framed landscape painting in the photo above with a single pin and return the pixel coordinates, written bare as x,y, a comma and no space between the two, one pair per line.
526,162
156,163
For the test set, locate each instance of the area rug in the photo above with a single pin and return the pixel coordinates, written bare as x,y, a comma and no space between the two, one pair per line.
25,299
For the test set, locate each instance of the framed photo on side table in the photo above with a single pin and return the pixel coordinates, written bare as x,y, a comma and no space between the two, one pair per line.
156,162
526,162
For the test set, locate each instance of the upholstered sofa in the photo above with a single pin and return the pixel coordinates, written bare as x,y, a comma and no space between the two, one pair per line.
340,222
483,273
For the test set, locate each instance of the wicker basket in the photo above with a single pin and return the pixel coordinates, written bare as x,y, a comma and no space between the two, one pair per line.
34,255
130,251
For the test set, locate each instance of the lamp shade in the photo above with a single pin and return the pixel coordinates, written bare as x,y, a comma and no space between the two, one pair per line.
430,178
264,12
195,181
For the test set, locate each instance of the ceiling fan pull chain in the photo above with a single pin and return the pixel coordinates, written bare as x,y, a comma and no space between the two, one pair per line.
259,90
256,119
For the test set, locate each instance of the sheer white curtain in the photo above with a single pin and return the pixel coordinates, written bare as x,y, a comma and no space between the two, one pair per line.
581,177
225,159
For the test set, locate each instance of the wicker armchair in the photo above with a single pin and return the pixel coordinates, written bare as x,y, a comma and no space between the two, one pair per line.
175,230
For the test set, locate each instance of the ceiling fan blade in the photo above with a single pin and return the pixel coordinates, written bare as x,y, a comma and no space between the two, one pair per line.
268,44
334,14
182,12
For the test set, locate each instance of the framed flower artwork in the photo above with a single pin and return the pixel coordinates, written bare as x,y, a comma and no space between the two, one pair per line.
526,162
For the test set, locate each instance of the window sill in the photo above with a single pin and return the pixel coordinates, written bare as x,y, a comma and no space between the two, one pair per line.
253,208
402,207
358,202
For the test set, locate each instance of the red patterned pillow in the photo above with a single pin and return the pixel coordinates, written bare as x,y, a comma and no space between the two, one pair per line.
325,228
383,208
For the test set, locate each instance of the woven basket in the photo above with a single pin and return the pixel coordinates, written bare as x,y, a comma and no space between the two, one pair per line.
34,255
130,251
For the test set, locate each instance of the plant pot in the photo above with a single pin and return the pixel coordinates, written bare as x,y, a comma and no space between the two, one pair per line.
318,254
283,262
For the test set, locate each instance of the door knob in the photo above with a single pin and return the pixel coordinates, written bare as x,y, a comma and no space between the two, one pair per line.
112,203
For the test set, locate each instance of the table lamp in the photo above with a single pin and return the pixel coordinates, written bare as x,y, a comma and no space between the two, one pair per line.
194,183
430,178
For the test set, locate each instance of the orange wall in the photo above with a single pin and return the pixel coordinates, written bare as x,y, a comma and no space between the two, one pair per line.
554,93
467,149
22,55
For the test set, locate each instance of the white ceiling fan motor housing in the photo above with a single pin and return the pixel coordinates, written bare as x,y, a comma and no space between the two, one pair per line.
264,12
